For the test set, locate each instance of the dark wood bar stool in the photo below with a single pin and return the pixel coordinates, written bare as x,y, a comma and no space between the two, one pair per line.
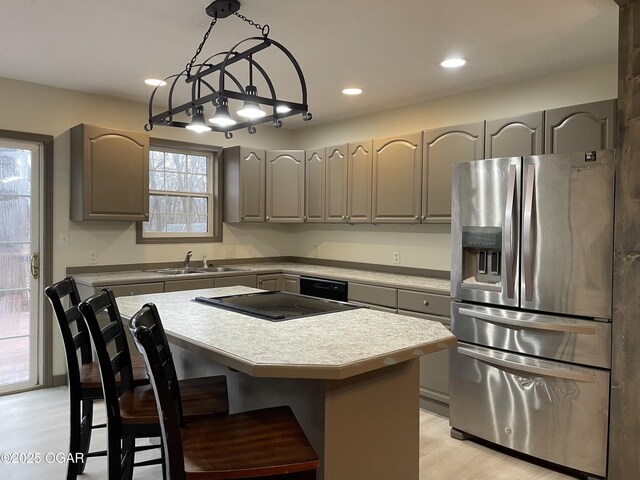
84,381
255,444
131,412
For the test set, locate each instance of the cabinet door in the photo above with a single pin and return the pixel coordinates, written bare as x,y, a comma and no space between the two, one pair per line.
270,282
397,179
443,147
285,186
336,184
359,161
514,136
109,174
314,185
434,367
291,283
252,184
580,128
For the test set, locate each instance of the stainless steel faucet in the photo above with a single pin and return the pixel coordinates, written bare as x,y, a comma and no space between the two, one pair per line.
187,259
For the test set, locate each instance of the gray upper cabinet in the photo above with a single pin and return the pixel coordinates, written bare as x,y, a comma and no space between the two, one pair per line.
514,136
315,185
109,174
244,182
580,128
285,186
359,165
442,147
397,179
336,184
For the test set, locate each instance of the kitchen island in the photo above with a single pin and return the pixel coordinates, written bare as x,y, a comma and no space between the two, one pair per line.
351,377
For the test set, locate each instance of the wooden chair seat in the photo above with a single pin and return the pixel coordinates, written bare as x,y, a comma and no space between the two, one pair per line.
201,398
245,445
90,374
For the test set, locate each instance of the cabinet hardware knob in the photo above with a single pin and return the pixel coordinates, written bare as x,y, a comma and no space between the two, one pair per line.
423,217
425,303
267,218
242,217
348,217
305,217
416,217
130,294
343,217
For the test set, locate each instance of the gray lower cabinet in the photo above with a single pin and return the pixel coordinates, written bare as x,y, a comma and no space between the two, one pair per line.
191,284
244,185
244,280
359,165
442,148
285,186
271,281
397,179
124,290
514,136
291,283
109,174
580,128
373,295
434,368
336,184
315,188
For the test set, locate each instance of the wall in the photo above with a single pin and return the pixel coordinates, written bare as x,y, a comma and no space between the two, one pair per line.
53,111
428,246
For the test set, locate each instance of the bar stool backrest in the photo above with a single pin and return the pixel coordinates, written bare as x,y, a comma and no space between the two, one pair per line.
111,347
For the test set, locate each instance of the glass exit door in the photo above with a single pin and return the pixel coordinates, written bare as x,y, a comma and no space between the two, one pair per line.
19,264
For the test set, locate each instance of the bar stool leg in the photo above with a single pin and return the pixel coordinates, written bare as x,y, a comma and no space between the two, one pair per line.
114,456
128,457
74,436
85,432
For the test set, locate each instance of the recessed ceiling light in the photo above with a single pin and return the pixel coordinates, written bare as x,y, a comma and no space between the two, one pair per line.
352,91
453,62
154,82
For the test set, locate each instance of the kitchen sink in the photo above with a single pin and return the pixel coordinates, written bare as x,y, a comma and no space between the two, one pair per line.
220,269
191,270
175,271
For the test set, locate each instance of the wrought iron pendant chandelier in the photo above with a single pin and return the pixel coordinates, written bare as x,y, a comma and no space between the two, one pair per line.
198,81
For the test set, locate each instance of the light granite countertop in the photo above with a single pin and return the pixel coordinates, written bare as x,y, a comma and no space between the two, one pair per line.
411,282
329,346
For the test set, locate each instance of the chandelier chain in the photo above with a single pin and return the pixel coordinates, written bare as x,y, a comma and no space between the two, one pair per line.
264,29
199,49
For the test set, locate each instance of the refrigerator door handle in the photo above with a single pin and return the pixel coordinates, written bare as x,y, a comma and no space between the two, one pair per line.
522,367
537,322
509,230
527,233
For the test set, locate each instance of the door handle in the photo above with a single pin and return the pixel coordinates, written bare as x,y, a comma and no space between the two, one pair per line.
527,233
537,322
509,230
34,261
557,372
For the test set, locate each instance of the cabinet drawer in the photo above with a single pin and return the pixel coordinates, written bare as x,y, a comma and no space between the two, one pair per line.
245,280
137,289
178,285
446,321
385,296
424,302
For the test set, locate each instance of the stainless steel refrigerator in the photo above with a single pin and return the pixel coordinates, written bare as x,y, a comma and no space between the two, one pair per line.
531,279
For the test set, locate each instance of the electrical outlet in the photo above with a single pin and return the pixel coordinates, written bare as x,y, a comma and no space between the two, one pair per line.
93,257
396,257
230,252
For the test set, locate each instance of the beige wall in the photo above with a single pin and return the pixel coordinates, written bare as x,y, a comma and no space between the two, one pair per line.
428,246
52,111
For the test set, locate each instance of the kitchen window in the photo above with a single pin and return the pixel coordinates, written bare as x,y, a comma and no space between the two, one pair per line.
184,192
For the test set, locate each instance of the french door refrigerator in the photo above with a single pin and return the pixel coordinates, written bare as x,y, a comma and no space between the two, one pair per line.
531,279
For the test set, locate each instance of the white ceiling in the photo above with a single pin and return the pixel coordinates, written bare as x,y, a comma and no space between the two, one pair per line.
389,48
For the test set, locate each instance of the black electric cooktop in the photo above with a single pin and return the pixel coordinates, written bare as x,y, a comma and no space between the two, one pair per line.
276,306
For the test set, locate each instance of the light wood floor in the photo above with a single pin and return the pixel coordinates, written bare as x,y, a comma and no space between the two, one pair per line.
37,421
